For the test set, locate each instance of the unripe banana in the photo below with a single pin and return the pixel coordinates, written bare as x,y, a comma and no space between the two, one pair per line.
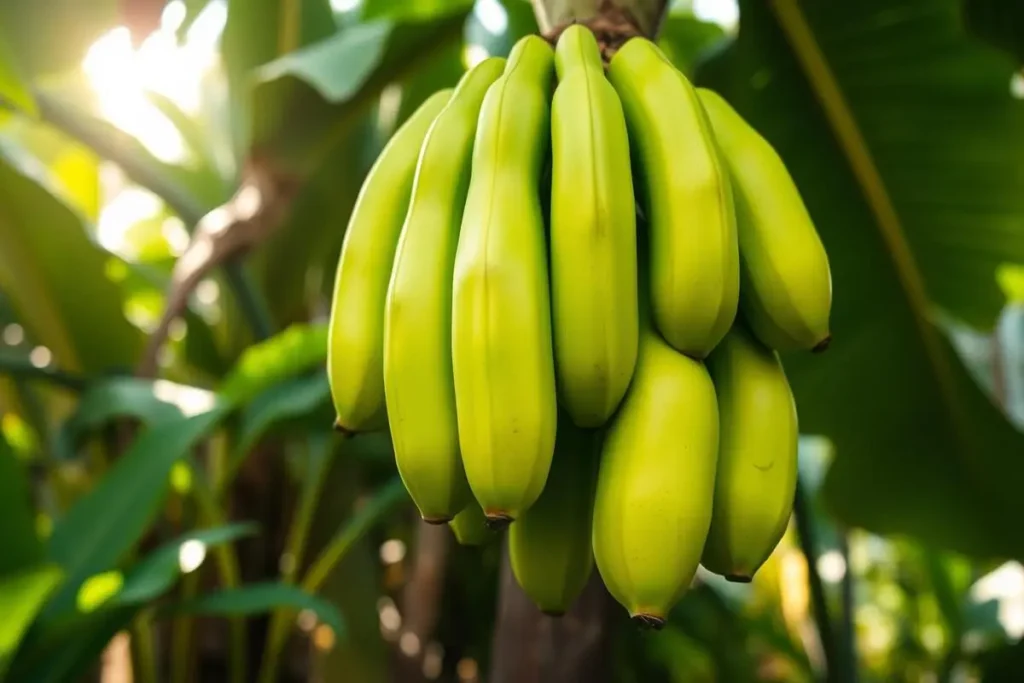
355,343
550,545
501,310
786,292
757,456
654,491
687,198
470,526
418,383
593,235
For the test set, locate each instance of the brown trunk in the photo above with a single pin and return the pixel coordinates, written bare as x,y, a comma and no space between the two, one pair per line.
530,647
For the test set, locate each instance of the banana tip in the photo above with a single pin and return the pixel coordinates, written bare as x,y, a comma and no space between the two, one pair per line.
498,521
822,345
340,428
738,578
649,622
436,521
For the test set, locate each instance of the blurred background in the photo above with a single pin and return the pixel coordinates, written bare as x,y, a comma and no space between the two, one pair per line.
175,181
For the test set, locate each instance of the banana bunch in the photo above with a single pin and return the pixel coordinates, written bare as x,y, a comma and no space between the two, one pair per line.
611,389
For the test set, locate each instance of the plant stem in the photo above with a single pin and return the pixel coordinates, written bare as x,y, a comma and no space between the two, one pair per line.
228,573
250,301
318,459
647,15
145,650
849,633
385,500
809,546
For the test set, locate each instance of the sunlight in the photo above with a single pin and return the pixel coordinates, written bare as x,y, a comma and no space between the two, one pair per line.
190,555
345,5
725,13
492,16
121,76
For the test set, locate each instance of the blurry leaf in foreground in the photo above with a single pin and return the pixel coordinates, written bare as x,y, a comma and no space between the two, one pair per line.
286,354
62,296
294,399
107,522
308,100
684,39
261,598
52,37
156,573
21,547
13,90
1000,22
21,596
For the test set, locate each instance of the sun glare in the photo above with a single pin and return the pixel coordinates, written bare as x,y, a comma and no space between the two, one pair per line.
121,75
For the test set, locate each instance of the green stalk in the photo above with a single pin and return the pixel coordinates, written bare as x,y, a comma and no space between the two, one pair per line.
227,569
384,501
318,458
809,545
181,634
145,649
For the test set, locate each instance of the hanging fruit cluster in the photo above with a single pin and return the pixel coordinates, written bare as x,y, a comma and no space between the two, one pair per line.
611,390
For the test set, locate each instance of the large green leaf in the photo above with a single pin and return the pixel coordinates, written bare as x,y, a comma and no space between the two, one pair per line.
288,400
261,598
154,574
145,400
288,353
685,39
106,523
22,594
307,101
61,295
53,36
1001,22
410,9
903,137
258,31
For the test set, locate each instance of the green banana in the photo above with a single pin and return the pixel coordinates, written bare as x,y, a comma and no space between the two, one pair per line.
757,458
418,385
470,526
593,235
502,354
654,494
786,291
550,545
687,199
355,343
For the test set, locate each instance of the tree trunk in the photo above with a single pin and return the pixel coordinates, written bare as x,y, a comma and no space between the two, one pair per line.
530,647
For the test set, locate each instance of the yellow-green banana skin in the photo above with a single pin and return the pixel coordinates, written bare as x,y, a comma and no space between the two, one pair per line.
418,385
593,235
502,353
550,545
687,199
757,458
654,495
786,291
470,526
355,344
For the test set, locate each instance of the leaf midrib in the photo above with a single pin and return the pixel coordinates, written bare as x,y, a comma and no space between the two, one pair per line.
844,127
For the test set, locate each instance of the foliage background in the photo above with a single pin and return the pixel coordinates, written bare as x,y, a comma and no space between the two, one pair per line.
203,158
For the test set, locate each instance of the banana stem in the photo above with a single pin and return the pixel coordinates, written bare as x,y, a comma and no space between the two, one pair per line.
643,16
809,545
